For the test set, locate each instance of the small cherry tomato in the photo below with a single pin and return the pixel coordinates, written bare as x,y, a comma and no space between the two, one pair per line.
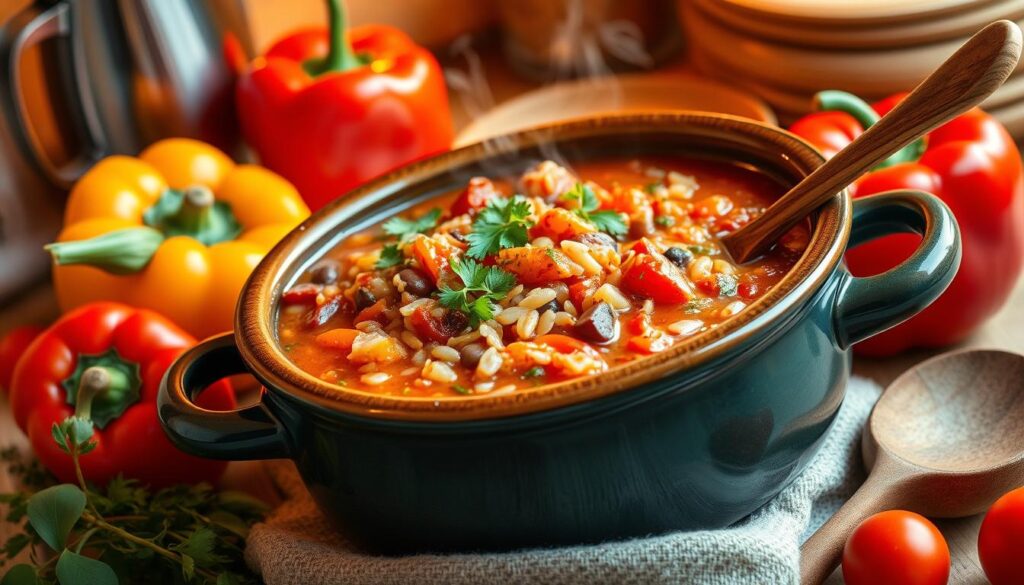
896,548
12,346
1001,541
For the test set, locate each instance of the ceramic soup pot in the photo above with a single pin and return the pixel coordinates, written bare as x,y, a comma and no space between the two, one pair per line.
696,437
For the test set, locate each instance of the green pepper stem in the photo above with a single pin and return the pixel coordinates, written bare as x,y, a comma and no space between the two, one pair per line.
340,56
195,213
832,100
123,251
109,383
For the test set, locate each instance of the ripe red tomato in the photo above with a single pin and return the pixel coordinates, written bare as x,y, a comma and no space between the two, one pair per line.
1001,541
12,346
896,548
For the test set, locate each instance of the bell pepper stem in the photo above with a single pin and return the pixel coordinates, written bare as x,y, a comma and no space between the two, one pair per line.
196,209
123,251
109,383
193,212
340,56
840,101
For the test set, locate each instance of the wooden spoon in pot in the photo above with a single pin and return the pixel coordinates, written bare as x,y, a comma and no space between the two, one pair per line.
945,440
968,77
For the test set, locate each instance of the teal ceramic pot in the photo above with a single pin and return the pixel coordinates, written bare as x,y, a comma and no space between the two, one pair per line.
696,437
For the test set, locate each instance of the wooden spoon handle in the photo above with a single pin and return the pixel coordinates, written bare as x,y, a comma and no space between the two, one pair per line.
882,490
965,79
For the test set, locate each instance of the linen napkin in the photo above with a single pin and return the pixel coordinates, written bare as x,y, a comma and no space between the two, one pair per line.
297,546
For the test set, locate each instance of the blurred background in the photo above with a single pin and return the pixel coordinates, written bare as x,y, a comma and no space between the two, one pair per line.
82,80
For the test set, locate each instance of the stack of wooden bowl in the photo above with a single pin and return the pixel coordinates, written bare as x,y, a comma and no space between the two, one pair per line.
786,50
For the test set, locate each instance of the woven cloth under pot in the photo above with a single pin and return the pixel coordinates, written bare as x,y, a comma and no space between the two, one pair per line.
297,546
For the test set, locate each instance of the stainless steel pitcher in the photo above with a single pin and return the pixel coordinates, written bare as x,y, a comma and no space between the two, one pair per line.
130,72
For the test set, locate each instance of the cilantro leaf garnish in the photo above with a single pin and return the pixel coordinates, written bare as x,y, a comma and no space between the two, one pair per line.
503,223
483,286
390,255
405,228
607,221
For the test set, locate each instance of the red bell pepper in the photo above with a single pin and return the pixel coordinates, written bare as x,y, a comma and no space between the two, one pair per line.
104,362
649,274
12,346
972,164
331,110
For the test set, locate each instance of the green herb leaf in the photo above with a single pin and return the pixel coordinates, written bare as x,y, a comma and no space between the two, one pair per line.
390,255
608,221
482,287
79,431
15,544
60,437
126,492
534,372
701,250
461,389
586,201
75,569
726,285
54,511
404,228
199,545
503,223
665,220
20,575
180,517
188,567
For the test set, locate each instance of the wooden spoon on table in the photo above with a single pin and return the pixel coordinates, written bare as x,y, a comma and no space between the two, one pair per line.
945,440
968,77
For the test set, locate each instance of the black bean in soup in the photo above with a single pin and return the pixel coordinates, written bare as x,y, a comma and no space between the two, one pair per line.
551,305
325,272
415,283
469,355
364,298
679,256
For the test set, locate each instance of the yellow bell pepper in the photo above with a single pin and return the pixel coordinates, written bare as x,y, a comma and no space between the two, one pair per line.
176,230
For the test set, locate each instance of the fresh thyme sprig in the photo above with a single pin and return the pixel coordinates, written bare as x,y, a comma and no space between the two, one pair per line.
123,533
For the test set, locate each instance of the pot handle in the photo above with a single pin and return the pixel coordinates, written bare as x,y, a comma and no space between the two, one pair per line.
869,305
248,433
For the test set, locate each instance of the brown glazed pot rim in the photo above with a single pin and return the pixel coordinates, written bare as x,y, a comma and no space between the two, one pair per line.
255,318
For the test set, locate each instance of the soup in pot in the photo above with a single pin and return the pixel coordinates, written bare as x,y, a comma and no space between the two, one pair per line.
516,282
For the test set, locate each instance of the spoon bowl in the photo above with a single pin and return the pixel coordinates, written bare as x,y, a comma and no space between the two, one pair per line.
944,440
967,410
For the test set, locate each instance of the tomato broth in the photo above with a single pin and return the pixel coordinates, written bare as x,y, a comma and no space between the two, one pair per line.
513,282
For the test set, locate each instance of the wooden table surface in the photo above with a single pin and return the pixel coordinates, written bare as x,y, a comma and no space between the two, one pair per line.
1005,330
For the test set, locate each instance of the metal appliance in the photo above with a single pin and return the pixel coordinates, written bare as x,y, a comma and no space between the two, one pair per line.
122,73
